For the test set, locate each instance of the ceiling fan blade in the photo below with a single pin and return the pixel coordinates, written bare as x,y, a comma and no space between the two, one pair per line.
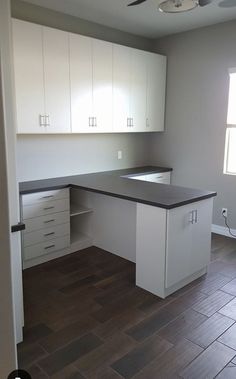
202,3
137,2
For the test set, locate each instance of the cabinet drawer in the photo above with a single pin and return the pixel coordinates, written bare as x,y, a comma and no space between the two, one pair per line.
45,208
40,197
163,177
43,222
44,248
44,235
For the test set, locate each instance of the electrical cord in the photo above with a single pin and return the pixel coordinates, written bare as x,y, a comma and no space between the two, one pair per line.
226,223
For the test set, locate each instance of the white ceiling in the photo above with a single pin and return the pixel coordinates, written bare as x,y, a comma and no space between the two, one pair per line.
143,19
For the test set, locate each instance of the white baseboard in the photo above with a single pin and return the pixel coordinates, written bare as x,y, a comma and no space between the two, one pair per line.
222,230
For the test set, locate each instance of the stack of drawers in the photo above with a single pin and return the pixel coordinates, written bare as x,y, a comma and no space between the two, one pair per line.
47,219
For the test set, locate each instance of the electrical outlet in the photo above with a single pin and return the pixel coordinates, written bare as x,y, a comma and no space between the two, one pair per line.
224,212
120,154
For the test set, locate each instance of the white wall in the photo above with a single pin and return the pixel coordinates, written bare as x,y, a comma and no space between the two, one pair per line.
196,108
41,157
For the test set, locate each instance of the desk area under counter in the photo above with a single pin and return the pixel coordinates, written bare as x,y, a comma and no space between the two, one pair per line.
164,229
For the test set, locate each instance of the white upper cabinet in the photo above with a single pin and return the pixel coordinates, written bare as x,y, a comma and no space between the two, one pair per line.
121,88
91,85
42,80
57,80
156,85
29,76
81,73
71,83
138,91
102,86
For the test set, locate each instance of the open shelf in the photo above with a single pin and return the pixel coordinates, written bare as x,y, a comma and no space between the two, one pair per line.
79,241
76,210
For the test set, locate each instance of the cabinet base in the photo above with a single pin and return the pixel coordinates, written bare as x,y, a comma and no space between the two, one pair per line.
164,292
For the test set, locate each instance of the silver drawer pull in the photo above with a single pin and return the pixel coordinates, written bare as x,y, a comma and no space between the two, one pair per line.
47,208
48,221
47,197
49,234
49,247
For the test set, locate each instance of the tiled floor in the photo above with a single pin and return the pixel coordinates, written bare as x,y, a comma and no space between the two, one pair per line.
84,318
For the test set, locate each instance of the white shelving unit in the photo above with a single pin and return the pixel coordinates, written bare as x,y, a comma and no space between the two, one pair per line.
76,210
80,221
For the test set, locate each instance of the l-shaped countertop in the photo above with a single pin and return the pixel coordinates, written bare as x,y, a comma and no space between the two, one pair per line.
116,183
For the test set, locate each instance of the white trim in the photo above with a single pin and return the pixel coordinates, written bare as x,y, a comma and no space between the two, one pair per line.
222,230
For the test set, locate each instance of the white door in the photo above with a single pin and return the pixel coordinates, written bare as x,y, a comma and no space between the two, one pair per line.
121,88
10,268
57,80
29,76
156,85
81,73
138,90
102,86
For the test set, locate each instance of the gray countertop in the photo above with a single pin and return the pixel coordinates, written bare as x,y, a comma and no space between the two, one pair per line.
117,184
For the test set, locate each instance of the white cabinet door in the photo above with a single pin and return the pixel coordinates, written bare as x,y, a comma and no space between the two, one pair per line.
29,76
188,240
156,85
102,86
121,88
138,91
81,73
57,80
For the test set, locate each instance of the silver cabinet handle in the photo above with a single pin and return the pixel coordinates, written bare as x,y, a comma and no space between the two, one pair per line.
49,234
90,121
95,121
147,123
196,216
47,197
191,218
47,120
49,247
132,122
128,122
48,221
41,120
47,208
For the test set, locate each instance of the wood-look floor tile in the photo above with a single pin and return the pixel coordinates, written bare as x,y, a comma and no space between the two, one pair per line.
229,309
69,372
209,363
180,327
36,373
119,323
168,365
134,361
69,354
112,349
36,333
28,354
228,372
150,325
225,269
230,287
210,330
213,282
229,337
133,298
66,335
213,303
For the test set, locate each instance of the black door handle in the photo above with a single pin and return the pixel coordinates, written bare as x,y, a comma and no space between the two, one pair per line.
18,227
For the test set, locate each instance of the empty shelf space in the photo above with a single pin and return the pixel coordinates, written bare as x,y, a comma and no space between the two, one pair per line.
76,210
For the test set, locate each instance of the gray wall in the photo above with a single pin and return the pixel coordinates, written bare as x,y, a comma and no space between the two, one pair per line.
196,108
71,154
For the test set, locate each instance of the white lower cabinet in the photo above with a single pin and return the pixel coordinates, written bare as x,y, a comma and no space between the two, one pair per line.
162,177
47,219
173,246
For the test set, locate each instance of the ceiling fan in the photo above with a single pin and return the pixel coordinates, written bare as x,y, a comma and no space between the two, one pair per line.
176,6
